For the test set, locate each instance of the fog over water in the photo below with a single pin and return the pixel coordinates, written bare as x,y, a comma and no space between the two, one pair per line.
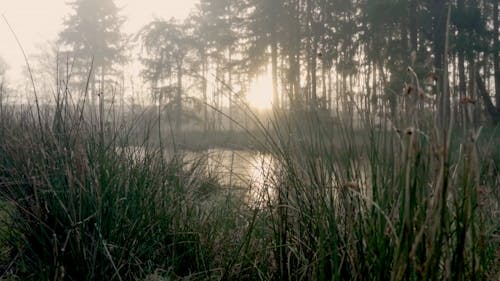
267,140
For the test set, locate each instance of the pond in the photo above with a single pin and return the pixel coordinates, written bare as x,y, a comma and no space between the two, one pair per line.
250,171
244,170
254,173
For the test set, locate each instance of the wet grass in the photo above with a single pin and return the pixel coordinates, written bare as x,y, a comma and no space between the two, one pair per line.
409,202
81,209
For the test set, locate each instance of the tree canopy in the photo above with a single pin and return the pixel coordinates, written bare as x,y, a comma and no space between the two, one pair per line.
94,31
333,54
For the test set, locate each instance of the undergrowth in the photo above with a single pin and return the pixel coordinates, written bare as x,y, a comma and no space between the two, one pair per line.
391,202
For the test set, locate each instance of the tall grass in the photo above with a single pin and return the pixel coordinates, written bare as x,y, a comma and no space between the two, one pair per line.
78,206
402,202
397,202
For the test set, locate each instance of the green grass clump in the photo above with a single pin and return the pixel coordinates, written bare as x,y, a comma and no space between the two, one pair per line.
397,203
77,206
410,201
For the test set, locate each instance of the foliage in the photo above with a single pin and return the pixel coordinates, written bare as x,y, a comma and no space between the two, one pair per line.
393,202
93,31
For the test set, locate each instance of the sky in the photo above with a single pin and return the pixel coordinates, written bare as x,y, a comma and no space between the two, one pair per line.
37,22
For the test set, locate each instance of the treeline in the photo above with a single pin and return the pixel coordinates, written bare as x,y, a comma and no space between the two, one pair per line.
348,56
330,53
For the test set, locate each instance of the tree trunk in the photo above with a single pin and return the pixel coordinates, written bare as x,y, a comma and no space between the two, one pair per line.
496,52
274,70
462,86
178,99
366,103
493,111
330,89
440,28
308,40
413,25
205,89
374,98
229,89
323,85
296,95
314,78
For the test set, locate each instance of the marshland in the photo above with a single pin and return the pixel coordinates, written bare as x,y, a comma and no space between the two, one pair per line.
250,140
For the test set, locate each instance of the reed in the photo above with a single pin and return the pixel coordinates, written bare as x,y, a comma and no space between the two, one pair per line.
408,201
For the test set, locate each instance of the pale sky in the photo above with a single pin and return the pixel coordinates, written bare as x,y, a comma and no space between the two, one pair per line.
37,22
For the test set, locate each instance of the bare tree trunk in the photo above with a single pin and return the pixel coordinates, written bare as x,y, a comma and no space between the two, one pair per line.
309,62
323,85
367,89
205,89
285,91
374,98
462,86
483,92
474,112
413,24
496,52
330,90
440,27
314,78
178,99
274,70
294,56
230,90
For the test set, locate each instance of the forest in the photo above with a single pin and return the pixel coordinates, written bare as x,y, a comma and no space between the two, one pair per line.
256,140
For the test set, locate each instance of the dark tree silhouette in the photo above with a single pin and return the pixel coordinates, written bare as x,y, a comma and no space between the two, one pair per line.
350,56
93,35
167,45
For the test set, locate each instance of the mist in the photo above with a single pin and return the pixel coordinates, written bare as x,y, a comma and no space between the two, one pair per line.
249,140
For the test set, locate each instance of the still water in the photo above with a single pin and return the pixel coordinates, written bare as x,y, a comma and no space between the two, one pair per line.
256,174
248,171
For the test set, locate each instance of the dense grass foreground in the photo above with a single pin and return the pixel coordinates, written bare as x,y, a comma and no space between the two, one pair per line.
75,207
342,204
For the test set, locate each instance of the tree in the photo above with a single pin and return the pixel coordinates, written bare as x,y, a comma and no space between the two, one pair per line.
496,51
264,24
220,31
3,69
167,45
92,35
358,51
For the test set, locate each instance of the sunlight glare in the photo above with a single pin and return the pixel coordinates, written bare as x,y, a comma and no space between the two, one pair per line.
260,94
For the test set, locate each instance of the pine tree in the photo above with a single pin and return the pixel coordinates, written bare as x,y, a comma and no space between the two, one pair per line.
167,45
93,36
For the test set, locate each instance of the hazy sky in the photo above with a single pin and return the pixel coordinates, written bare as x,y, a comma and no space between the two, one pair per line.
39,21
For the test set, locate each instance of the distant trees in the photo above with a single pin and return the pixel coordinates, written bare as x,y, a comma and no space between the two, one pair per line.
492,50
340,55
92,35
495,50
167,45
3,69
265,22
3,66
3,82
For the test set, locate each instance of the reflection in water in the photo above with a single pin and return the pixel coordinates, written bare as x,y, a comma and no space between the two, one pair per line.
248,171
256,174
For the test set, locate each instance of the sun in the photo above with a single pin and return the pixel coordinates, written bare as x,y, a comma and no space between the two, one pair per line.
260,94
